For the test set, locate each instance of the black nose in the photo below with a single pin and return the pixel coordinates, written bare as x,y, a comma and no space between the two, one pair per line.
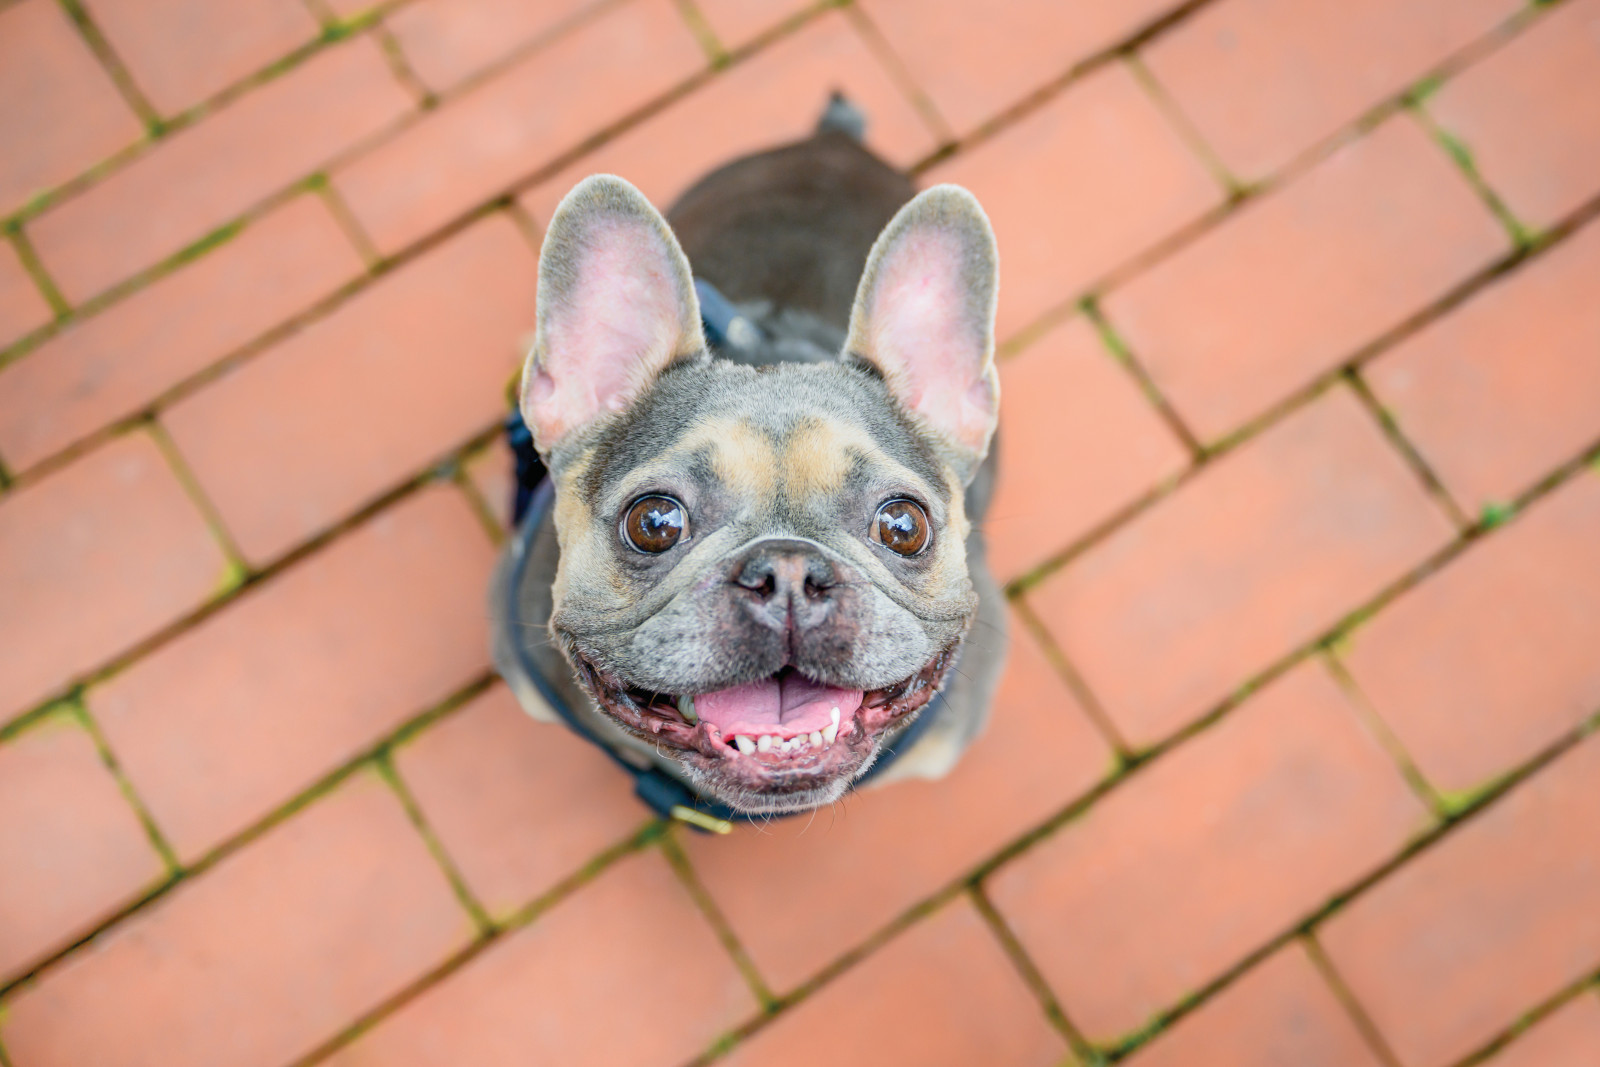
788,581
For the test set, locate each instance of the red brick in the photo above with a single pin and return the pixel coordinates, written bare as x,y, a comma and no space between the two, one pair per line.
93,559
1079,187
493,474
260,959
801,891
22,307
975,60
448,41
1504,390
230,720
550,993
1530,115
737,22
1078,442
1263,80
771,98
481,143
1280,1013
517,804
109,366
55,101
1256,556
72,848
180,52
942,994
294,440
1492,659
203,177
1298,282
1568,1037
1499,916
1190,866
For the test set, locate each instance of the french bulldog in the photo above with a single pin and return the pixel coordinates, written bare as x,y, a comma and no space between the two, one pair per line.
765,560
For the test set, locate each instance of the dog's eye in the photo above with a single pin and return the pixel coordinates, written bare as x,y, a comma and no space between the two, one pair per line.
655,523
900,526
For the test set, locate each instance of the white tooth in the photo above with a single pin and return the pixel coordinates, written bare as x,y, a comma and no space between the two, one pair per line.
764,742
816,738
746,745
830,733
790,746
686,709
835,715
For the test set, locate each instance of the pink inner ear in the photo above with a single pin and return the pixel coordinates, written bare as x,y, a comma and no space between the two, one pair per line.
611,331
925,340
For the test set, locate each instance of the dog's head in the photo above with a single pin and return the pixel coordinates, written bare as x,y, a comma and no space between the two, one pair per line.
762,570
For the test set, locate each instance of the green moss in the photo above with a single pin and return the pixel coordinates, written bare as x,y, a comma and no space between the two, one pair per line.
1495,513
234,574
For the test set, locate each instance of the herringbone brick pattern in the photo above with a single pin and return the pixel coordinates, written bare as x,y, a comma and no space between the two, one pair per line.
1299,517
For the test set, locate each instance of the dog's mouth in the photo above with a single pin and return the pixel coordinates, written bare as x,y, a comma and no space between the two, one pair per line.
784,734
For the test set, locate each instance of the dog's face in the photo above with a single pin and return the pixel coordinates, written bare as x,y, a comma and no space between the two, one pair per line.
762,570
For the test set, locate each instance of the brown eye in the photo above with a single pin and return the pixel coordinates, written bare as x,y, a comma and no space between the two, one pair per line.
900,526
655,523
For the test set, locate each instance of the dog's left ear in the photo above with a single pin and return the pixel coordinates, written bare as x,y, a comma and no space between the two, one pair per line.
616,308
924,317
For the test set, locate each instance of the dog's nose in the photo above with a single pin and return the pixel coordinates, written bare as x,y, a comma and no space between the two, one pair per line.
790,580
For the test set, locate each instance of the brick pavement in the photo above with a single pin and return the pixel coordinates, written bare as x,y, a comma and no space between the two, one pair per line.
1299,510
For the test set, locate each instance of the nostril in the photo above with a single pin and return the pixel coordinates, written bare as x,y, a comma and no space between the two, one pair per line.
818,587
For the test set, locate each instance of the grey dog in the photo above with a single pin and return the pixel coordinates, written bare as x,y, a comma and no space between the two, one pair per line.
764,561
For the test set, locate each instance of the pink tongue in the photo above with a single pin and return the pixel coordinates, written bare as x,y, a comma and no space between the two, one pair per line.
792,704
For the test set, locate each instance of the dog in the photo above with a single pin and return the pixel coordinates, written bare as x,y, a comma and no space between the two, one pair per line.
765,560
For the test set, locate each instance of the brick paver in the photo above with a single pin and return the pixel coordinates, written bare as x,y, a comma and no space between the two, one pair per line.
332,912
215,729
296,439
1280,1013
55,100
1504,390
1530,115
1079,187
1457,944
1256,556
735,22
661,959
23,307
448,41
754,106
946,971
1078,442
205,176
1326,63
1309,532
111,365
179,52
973,61
803,891
1570,1037
73,851
1213,851
1298,282
478,145
498,789
1494,658
93,559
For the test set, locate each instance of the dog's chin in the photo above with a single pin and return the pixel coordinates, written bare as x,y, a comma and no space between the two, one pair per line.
764,766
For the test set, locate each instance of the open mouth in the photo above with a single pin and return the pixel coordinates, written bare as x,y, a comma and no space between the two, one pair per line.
773,731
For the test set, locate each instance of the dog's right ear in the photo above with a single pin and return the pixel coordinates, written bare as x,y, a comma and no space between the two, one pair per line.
616,308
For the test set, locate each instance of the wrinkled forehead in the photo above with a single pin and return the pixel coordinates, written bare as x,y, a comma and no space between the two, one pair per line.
784,438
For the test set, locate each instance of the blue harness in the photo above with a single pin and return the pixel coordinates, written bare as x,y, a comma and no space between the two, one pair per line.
532,499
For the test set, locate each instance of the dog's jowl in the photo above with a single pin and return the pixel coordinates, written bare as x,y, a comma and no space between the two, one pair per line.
762,562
